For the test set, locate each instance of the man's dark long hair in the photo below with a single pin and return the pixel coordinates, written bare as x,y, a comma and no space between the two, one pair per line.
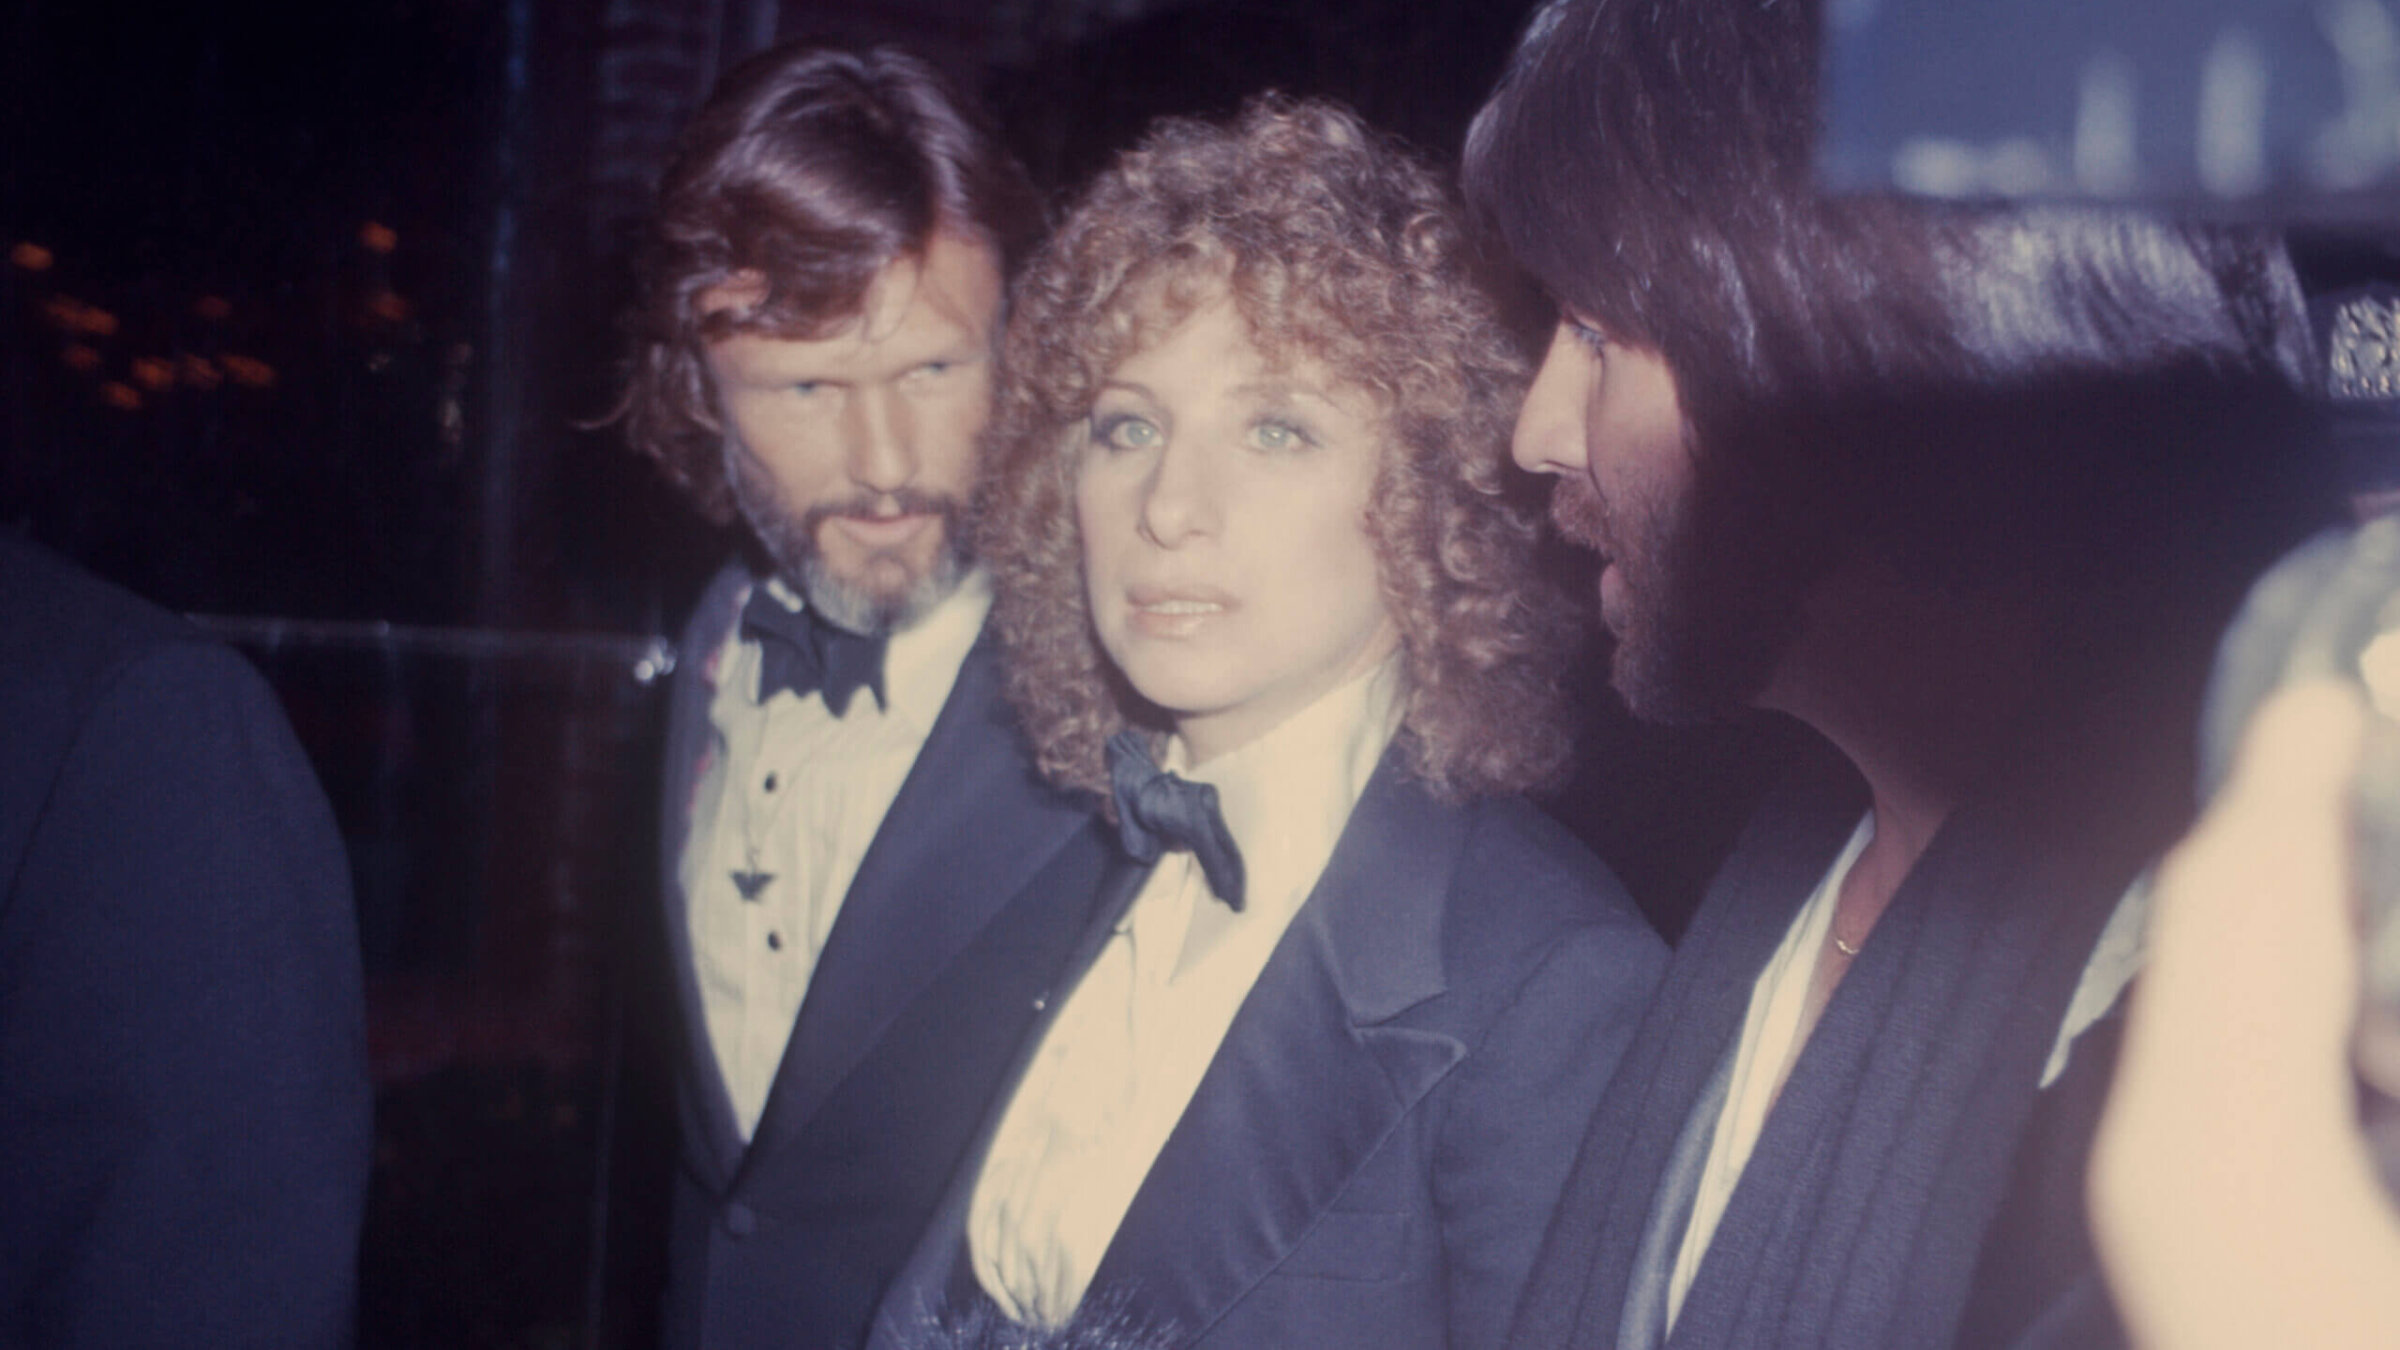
813,167
1982,393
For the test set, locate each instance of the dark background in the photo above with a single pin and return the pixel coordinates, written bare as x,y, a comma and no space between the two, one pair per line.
304,311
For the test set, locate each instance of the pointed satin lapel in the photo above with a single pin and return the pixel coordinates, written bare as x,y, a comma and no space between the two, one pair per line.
940,1259
969,828
1308,1081
706,1106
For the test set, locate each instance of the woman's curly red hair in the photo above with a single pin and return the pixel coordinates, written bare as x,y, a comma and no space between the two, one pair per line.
1331,242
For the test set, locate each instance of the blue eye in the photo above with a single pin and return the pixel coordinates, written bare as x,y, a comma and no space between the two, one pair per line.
1124,431
806,387
1275,434
1589,335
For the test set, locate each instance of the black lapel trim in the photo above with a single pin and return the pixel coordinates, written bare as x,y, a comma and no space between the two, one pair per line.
1309,1080
972,824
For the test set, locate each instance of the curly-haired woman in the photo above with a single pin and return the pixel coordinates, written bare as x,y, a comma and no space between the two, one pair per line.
1261,593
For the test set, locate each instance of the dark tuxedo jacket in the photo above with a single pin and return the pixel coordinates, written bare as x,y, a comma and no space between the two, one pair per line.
1372,1155
184,1109
1914,1185
969,900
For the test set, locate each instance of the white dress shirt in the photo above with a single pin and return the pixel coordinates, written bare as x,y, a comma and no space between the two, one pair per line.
792,791
1132,1041
1770,1039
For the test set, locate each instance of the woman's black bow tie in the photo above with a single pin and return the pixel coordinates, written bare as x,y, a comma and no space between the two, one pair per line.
1157,810
803,653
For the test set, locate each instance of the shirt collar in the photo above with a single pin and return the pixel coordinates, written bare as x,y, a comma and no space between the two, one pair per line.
1287,796
921,661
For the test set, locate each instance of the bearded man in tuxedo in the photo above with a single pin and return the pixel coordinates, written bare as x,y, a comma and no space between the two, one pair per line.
866,888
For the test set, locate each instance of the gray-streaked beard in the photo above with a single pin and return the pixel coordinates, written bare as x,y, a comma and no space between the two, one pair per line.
843,601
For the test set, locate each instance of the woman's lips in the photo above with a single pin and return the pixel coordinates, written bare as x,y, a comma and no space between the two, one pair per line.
1160,612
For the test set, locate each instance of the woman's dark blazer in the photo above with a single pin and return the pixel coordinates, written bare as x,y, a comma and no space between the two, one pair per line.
1374,1152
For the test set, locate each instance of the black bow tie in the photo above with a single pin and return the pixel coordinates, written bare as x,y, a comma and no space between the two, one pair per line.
803,653
1157,810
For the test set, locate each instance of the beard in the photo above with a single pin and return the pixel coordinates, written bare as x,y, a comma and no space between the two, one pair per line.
1706,602
856,602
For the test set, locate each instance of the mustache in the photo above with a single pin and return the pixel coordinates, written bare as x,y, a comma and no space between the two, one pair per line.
1580,513
907,501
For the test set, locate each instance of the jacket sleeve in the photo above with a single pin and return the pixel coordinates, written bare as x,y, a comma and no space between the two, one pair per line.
1519,1107
184,1105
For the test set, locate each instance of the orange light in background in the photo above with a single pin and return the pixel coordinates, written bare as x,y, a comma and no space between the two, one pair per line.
153,373
77,317
199,372
80,357
214,308
121,396
31,256
389,307
378,237
248,372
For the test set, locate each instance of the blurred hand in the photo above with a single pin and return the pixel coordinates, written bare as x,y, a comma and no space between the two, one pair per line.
2233,1198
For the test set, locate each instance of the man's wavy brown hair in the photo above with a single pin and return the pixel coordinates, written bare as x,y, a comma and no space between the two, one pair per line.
814,166
1337,247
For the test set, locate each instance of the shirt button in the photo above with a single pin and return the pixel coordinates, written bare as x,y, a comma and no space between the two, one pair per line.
770,782
1041,1001
739,1220
774,942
